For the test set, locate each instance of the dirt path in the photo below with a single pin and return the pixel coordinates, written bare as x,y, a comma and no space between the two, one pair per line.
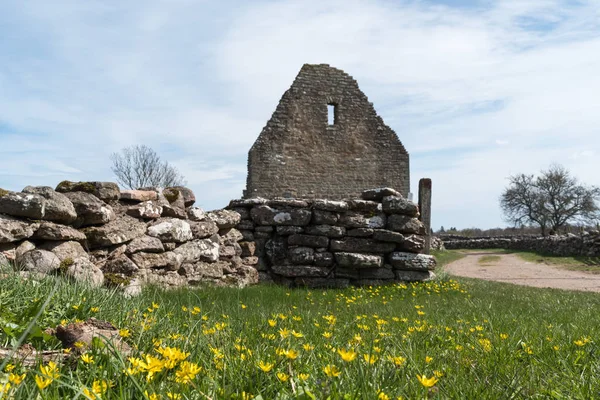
512,269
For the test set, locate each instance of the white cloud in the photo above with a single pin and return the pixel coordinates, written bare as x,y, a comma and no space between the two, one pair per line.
475,93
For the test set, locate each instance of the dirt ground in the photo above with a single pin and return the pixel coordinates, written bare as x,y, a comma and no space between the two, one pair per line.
512,269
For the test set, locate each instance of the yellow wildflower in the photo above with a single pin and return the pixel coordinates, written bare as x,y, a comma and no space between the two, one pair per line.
370,359
428,359
282,376
272,322
347,355
331,371
187,372
124,333
16,379
266,366
427,382
303,376
86,358
173,396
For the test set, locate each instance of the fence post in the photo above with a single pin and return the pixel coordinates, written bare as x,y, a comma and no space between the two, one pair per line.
425,210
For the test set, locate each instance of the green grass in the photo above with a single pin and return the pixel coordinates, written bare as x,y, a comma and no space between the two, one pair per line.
488,259
484,340
576,263
444,257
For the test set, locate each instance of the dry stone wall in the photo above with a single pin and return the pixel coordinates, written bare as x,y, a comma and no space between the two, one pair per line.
325,243
586,245
95,232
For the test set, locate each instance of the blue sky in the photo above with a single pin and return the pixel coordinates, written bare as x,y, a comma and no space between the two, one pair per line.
476,91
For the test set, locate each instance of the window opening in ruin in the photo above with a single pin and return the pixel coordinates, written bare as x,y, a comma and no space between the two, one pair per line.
331,114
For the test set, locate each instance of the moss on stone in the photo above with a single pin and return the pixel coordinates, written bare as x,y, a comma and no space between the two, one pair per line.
68,186
3,192
116,280
65,264
171,194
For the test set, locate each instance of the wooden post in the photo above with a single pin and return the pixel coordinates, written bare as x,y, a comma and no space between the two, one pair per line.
425,210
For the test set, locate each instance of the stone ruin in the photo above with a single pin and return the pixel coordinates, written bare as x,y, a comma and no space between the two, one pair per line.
94,232
373,240
308,217
301,153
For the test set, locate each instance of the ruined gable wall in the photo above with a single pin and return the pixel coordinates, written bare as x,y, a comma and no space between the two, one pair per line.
298,154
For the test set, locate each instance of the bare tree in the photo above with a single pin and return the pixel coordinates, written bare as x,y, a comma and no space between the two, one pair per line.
138,166
551,200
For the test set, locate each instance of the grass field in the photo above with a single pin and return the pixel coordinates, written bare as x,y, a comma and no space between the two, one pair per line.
459,339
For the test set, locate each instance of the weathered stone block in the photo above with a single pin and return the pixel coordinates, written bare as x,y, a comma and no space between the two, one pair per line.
248,249
90,210
326,230
138,195
203,229
265,215
411,261
388,236
145,243
168,260
324,259
145,210
308,240
405,224
360,245
224,218
283,202
358,260
412,243
324,217
103,190
199,250
360,232
379,193
364,206
353,219
25,205
245,224
399,205
250,202
411,276
330,205
289,230
377,273
171,230
292,271
13,229
118,231
301,255
51,231
58,207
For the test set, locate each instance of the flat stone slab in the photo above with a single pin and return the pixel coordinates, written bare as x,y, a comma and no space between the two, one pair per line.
358,260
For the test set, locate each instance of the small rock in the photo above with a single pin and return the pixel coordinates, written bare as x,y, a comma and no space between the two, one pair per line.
25,205
145,243
145,210
326,230
405,224
265,215
353,219
388,236
308,240
330,205
301,255
224,218
52,231
411,261
168,260
58,206
121,230
139,195
198,250
171,230
85,271
203,229
187,195
399,205
196,214
284,230
103,190
39,261
14,230
359,245
411,276
65,250
90,210
379,193
292,271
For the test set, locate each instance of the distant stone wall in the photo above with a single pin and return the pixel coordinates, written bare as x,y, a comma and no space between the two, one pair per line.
323,243
94,232
587,245
300,155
